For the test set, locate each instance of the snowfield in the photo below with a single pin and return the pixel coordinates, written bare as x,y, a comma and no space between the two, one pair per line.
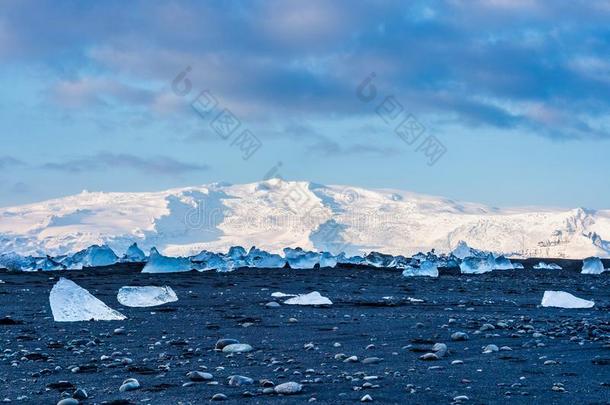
276,214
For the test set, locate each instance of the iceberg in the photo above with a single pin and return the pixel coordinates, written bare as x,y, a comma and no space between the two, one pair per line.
70,303
547,266
260,259
93,256
562,299
148,296
328,260
133,255
313,298
502,263
300,259
376,259
426,268
477,265
15,262
157,263
592,265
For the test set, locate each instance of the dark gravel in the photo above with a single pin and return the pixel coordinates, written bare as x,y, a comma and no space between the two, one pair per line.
557,356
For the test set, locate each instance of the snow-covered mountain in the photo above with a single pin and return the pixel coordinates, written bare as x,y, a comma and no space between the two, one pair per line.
275,214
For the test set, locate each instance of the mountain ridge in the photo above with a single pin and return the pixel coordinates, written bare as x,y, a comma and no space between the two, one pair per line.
274,214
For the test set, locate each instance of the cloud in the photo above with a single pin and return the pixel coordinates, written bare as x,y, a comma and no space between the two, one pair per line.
476,63
161,165
9,162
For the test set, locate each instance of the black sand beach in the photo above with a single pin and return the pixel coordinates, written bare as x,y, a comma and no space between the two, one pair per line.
545,355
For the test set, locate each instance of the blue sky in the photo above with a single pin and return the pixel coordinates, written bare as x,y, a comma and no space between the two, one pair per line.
516,92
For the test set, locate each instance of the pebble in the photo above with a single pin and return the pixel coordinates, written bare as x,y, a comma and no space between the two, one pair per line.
199,376
366,398
490,349
272,304
222,343
459,336
237,348
288,388
219,397
68,401
129,384
239,380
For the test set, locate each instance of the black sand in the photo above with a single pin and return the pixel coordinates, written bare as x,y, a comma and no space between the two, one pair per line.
164,343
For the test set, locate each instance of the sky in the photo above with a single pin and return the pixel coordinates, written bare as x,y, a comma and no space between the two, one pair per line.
503,102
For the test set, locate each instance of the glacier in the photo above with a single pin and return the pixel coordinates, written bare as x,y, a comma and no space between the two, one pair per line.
71,303
146,296
275,214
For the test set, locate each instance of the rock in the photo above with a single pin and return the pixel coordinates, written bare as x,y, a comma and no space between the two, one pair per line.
219,397
288,388
272,304
461,398
440,349
366,398
459,336
199,376
68,401
237,348
80,394
351,359
429,357
490,349
222,343
372,360
129,384
239,380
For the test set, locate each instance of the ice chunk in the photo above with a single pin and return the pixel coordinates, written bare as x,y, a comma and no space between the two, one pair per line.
300,259
547,266
15,262
148,296
93,256
562,299
376,259
263,260
282,295
313,298
502,263
592,265
328,260
70,303
133,255
462,251
157,263
353,260
518,266
426,268
477,265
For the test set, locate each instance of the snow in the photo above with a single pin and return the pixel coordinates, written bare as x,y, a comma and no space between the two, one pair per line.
157,263
592,265
70,303
313,298
426,268
148,296
562,299
275,214
547,266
